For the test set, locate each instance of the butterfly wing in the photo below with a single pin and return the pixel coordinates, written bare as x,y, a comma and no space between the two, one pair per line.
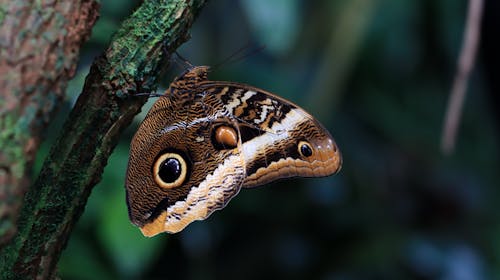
176,137
204,140
279,139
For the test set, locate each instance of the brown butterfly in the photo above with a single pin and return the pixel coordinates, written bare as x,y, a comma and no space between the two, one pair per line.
202,141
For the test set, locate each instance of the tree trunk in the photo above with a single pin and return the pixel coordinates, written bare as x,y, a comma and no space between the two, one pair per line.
104,109
39,51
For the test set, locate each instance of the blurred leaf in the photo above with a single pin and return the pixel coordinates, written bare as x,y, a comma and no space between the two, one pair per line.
81,261
131,252
103,30
276,23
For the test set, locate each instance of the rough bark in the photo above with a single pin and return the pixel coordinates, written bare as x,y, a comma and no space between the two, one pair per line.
39,45
104,109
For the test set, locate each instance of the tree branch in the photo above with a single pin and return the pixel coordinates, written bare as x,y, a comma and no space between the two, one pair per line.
38,54
131,64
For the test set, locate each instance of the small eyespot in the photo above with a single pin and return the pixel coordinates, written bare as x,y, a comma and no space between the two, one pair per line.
225,137
305,149
169,170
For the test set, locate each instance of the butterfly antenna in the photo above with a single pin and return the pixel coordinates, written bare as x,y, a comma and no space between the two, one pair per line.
184,61
240,54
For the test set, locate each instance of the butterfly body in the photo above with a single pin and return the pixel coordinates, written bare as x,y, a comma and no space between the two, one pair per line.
204,140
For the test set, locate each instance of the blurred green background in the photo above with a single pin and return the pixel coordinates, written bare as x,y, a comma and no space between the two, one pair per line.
377,74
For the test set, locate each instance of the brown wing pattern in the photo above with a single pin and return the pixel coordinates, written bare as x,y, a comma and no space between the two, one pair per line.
204,140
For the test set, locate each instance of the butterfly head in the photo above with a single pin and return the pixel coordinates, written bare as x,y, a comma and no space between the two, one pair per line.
191,78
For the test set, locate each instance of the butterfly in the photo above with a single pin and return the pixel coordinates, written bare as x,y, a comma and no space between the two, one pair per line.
202,141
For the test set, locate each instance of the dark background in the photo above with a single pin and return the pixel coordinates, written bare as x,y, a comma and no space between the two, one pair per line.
377,74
